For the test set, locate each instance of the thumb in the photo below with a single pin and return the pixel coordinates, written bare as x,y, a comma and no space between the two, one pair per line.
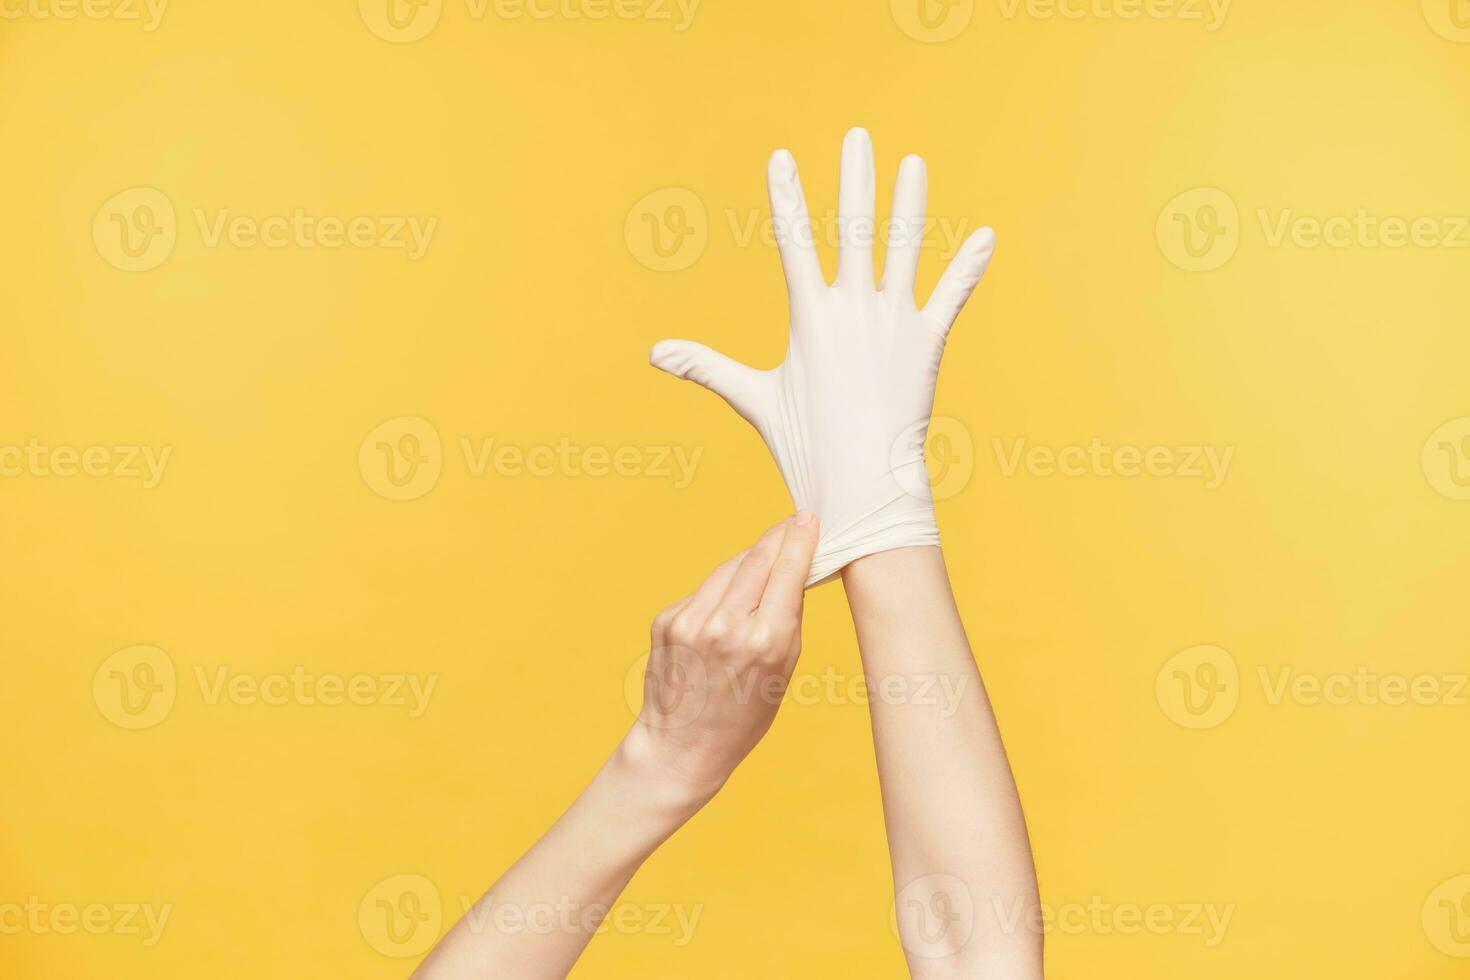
737,383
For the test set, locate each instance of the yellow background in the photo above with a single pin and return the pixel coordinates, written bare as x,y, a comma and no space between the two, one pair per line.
264,548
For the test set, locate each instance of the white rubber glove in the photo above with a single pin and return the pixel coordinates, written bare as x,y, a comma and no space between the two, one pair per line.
847,415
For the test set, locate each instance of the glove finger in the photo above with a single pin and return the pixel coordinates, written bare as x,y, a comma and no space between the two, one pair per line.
739,384
855,207
793,226
906,232
960,279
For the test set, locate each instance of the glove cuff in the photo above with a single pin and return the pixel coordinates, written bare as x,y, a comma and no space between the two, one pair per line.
904,521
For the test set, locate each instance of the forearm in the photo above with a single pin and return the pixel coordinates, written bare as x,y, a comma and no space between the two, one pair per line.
536,920
949,800
696,725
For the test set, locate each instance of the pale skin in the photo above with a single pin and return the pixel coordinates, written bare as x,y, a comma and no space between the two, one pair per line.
965,894
949,802
956,835
739,631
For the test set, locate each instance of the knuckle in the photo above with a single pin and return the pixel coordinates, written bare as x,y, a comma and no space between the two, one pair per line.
662,621
718,629
683,631
762,641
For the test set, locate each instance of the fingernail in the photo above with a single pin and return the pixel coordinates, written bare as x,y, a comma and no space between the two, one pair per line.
803,518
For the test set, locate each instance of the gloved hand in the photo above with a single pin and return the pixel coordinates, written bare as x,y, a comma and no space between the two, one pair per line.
847,415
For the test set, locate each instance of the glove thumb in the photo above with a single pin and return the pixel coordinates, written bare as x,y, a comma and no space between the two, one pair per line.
739,384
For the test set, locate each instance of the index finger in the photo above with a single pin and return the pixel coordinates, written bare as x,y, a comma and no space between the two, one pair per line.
786,587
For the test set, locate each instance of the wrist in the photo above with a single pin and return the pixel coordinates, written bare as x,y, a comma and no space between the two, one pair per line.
897,579
662,775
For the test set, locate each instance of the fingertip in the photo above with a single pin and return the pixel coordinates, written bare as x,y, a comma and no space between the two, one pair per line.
809,530
662,353
857,138
983,241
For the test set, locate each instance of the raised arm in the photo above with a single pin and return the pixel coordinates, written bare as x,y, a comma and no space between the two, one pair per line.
965,886
740,631
846,416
